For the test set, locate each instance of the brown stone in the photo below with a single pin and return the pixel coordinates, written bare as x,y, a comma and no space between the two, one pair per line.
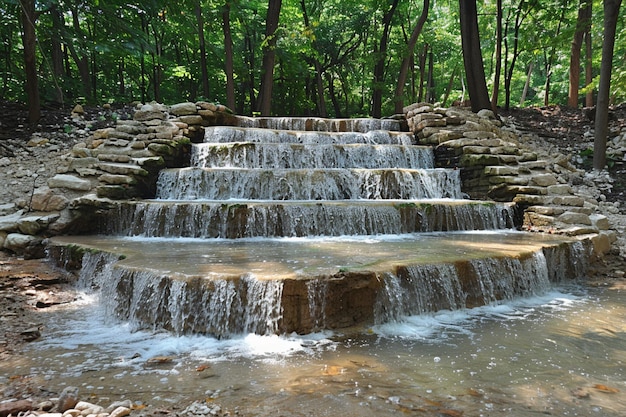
15,407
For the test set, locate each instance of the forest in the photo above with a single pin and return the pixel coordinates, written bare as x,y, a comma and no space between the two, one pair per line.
332,58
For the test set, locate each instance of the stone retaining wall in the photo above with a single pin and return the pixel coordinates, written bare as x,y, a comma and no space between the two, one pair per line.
115,163
495,165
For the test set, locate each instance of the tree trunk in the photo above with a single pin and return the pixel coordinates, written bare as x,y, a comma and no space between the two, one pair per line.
472,57
611,11
550,58
498,57
81,61
430,86
29,39
574,62
422,59
319,85
406,61
521,12
269,56
202,44
588,58
120,77
379,68
228,59
525,91
57,50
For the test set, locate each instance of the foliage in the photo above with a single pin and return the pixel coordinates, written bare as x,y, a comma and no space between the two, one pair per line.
123,51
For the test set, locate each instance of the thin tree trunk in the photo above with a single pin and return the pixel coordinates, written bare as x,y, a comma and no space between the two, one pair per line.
56,50
202,44
498,57
228,59
29,39
526,85
406,61
574,62
381,56
120,77
81,61
546,96
611,11
422,58
472,57
321,102
269,56
449,87
588,58
430,87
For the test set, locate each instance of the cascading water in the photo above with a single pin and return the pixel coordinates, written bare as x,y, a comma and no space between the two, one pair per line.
276,230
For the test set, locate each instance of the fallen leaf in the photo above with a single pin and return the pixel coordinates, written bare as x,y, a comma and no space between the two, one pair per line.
474,393
450,413
605,388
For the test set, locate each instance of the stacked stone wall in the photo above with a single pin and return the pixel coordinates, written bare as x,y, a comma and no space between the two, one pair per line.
495,165
116,163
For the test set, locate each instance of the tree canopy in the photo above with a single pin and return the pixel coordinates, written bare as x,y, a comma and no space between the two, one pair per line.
328,57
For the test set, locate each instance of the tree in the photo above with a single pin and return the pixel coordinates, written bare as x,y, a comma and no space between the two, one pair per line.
406,61
380,52
583,22
498,57
472,56
202,44
269,56
611,11
29,39
228,59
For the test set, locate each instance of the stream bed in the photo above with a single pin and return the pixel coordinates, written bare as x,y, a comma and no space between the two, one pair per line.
562,353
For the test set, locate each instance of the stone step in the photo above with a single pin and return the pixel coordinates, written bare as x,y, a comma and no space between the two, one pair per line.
235,219
269,286
318,124
225,134
295,155
307,184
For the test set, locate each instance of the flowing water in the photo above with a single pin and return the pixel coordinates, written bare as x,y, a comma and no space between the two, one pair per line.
560,353
350,237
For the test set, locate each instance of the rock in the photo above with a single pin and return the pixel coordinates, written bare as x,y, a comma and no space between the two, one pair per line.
600,221
574,218
125,403
8,223
68,399
15,407
544,180
45,199
149,114
70,182
30,225
78,109
120,412
486,113
183,109
18,242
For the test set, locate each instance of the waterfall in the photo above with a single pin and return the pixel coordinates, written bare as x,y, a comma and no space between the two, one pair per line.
149,298
243,219
306,224
418,289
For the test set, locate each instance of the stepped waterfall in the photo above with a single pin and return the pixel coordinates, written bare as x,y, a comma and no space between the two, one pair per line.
298,225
